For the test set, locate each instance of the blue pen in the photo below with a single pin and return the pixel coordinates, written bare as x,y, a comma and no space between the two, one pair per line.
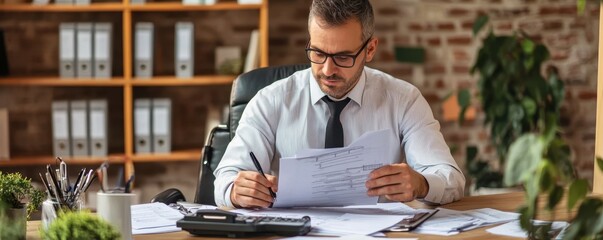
257,165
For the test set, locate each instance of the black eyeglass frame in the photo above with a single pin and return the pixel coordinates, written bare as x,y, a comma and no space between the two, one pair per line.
332,56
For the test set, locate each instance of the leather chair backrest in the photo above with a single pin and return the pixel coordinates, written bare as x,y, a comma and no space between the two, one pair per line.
248,84
243,90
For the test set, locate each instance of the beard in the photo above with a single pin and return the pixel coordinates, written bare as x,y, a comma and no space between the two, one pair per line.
343,87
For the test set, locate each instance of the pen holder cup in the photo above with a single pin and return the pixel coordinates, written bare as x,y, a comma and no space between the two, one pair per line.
50,209
115,209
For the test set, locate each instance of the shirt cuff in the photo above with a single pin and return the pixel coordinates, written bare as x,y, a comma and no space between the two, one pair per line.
227,196
436,188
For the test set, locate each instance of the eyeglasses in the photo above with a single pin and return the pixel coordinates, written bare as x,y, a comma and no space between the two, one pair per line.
341,60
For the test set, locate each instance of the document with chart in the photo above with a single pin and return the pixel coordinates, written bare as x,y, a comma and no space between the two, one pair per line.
334,176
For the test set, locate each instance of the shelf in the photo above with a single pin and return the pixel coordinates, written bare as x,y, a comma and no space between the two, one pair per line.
179,155
43,160
178,6
55,81
173,81
93,7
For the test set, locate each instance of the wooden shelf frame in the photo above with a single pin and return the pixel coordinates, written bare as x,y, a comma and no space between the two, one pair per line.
128,82
598,175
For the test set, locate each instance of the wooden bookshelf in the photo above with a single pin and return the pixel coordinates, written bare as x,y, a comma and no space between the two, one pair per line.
177,155
173,81
598,175
43,160
93,7
55,81
127,82
179,7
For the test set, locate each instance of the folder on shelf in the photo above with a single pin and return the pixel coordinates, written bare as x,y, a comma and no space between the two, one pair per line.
4,135
82,2
67,50
142,125
184,49
162,122
98,127
60,129
79,128
143,54
193,2
252,61
66,2
137,1
83,54
102,50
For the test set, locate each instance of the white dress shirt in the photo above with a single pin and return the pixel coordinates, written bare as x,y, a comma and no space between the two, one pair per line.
289,116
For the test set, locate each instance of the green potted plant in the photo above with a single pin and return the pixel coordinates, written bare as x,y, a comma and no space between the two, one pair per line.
79,225
515,96
540,162
14,211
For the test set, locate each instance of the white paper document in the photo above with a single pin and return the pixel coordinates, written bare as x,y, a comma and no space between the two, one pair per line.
340,221
159,218
450,222
512,229
333,176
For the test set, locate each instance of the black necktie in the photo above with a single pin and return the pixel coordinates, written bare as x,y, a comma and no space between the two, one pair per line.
334,133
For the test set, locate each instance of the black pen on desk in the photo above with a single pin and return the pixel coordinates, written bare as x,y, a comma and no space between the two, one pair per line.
259,168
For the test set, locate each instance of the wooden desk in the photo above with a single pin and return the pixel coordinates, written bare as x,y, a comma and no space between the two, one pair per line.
504,202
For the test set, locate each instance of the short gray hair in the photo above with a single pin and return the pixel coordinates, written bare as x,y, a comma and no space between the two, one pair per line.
338,12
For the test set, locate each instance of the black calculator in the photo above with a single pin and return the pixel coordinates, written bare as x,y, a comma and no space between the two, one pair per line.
224,223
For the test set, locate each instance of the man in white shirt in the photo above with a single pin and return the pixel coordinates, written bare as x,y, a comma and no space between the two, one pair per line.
298,113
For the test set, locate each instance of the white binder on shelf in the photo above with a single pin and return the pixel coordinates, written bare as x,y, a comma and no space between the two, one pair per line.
84,50
137,1
142,126
82,2
60,129
102,50
184,50
162,125
4,135
67,50
143,50
79,128
98,127
252,61
63,2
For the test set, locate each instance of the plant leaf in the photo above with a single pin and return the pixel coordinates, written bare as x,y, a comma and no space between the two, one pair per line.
479,23
522,158
577,192
600,163
555,197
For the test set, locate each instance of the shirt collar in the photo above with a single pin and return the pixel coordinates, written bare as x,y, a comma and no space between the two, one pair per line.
355,94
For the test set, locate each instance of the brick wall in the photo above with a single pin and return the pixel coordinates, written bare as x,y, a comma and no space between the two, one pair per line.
442,27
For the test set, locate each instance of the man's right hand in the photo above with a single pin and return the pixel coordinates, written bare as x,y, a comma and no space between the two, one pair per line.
250,189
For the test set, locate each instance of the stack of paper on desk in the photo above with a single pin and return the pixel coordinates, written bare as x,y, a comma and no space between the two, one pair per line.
337,221
450,222
159,218
513,229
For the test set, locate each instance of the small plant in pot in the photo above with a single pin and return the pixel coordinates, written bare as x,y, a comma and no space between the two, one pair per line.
18,199
515,96
79,225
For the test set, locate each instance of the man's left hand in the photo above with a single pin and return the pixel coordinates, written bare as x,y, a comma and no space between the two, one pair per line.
398,182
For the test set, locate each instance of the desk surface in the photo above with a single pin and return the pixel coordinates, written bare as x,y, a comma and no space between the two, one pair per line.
504,202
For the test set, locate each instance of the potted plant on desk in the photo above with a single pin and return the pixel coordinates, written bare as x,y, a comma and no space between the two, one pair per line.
79,225
515,97
14,212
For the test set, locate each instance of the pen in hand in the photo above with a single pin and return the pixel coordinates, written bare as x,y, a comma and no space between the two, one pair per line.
259,168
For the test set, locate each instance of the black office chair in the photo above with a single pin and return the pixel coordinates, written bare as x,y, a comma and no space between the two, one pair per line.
243,89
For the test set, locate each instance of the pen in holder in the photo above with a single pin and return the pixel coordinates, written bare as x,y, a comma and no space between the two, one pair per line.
61,195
